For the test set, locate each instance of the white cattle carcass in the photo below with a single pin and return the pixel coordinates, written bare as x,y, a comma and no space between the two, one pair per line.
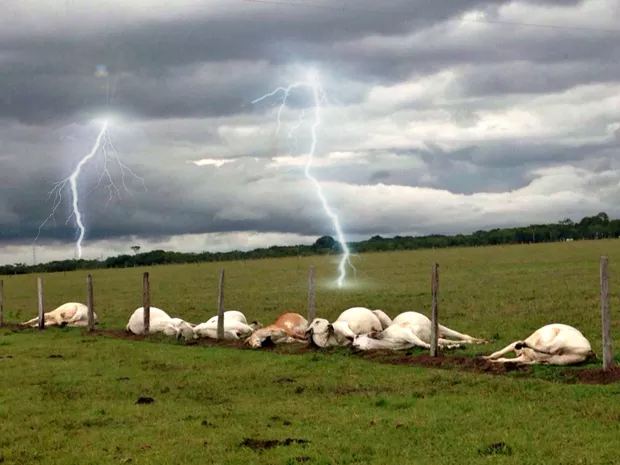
385,320
411,329
554,344
350,323
421,325
398,336
233,315
233,328
288,328
69,314
160,322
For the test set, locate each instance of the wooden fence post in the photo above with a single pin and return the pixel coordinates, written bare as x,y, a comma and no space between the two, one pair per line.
220,307
40,297
1,302
608,354
91,304
146,302
311,307
434,310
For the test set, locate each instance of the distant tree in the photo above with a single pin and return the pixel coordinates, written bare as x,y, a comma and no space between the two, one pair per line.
135,248
325,242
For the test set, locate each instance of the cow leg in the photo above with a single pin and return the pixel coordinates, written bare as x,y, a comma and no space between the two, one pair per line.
565,359
447,332
32,322
413,339
505,350
448,344
521,359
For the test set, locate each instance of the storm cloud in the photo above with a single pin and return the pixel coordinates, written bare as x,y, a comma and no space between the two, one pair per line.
440,117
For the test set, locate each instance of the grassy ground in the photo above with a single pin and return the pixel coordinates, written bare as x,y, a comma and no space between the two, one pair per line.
81,407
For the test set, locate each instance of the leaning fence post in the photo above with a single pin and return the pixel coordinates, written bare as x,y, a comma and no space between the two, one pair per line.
311,307
1,301
146,302
220,307
91,303
434,310
40,297
608,354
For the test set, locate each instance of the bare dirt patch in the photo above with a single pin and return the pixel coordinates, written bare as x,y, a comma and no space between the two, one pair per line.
262,444
570,375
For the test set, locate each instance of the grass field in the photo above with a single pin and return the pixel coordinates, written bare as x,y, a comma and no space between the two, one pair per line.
68,397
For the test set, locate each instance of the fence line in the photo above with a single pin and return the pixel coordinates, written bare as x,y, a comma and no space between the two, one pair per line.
434,310
1,301
607,340
91,303
311,305
220,306
146,302
608,354
40,298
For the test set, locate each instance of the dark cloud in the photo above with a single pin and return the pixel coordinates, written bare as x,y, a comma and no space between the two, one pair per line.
184,85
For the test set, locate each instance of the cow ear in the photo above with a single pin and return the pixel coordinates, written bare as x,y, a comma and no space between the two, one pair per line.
330,328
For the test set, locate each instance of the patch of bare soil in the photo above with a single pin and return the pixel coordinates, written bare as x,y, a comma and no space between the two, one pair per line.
262,444
570,375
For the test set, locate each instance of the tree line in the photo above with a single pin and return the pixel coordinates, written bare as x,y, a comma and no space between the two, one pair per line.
590,227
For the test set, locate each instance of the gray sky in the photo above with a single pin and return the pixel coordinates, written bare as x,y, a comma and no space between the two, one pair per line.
439,117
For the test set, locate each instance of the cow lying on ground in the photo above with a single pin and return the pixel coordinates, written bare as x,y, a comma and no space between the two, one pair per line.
350,323
398,336
233,329
421,325
411,329
235,315
385,320
288,328
554,344
160,322
68,314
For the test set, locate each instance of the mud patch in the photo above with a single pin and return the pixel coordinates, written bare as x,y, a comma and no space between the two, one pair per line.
569,375
55,356
145,400
499,448
263,444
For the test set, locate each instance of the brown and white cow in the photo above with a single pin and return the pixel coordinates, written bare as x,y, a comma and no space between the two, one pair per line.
288,328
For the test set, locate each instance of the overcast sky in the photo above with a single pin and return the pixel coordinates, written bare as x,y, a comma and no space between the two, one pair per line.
440,116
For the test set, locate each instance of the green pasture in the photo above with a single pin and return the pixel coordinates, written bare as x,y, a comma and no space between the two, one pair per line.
67,397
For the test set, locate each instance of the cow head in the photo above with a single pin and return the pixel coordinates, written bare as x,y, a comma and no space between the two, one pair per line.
256,325
319,332
361,342
186,331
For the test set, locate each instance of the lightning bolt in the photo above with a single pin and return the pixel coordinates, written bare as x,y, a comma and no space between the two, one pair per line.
319,96
103,142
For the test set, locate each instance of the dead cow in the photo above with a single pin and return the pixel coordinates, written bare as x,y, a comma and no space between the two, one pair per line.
554,344
288,328
68,314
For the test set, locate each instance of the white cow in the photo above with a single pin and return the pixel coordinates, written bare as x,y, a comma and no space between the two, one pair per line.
350,323
160,322
233,315
411,329
554,344
230,315
69,314
383,318
233,329
421,325
398,336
